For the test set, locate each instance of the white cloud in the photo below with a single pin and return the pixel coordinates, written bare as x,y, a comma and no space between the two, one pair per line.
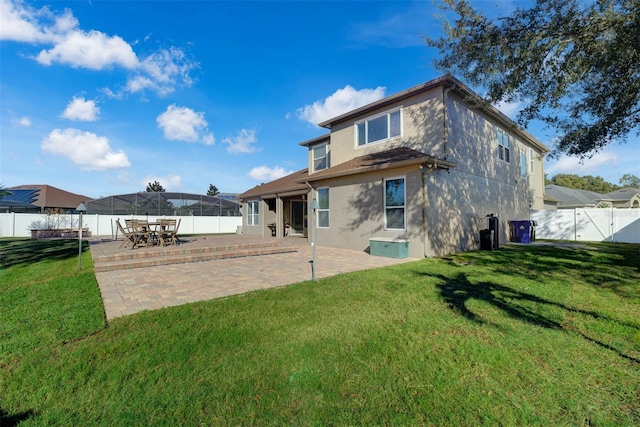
81,110
161,71
24,122
341,101
169,182
243,142
184,124
510,109
93,50
85,149
265,174
574,165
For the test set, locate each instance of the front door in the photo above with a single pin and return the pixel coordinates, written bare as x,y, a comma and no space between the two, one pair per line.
298,217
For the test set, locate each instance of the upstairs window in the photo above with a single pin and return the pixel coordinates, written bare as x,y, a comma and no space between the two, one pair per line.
503,145
320,159
531,161
523,164
379,128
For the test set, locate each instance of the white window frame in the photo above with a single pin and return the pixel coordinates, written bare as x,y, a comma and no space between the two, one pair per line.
403,206
253,212
366,121
503,146
325,157
532,158
323,209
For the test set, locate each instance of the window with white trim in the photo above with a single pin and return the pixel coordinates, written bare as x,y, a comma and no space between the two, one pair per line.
253,212
323,207
379,128
523,164
503,145
320,158
531,161
394,204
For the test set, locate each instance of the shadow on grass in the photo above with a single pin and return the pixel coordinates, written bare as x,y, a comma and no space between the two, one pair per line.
13,420
27,251
458,291
600,265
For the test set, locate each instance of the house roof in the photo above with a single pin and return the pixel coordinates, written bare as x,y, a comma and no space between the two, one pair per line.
52,197
623,194
447,81
312,141
571,197
395,158
290,183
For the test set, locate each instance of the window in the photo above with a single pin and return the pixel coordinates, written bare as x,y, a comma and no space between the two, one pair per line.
379,128
320,160
394,204
531,161
253,212
523,164
503,145
323,208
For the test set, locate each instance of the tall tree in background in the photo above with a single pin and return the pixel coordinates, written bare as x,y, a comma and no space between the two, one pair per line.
155,187
213,190
574,64
629,180
587,182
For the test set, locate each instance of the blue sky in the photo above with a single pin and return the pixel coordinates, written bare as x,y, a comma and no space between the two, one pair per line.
102,97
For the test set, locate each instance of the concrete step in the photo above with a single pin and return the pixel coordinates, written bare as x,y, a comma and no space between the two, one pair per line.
152,258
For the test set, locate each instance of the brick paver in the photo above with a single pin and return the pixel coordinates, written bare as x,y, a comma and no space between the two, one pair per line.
130,291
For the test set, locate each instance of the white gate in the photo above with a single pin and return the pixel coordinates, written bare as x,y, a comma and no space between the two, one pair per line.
599,225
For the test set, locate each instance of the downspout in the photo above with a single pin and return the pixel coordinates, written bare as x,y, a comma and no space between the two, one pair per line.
425,170
445,135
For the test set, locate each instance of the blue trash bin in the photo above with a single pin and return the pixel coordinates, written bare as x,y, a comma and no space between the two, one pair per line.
520,231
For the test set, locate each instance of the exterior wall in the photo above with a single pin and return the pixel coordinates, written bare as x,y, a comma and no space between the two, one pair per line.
422,130
356,210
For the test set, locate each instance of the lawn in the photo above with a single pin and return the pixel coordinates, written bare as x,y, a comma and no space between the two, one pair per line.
527,335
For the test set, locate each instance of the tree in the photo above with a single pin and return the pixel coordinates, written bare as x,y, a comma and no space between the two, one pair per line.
213,190
4,192
629,180
155,187
575,64
587,182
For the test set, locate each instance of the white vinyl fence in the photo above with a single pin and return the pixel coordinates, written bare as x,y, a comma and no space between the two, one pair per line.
19,224
599,225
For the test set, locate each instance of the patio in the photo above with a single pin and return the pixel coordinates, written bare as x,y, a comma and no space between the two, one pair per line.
235,271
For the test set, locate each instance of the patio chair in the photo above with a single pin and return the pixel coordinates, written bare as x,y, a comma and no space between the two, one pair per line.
168,233
128,234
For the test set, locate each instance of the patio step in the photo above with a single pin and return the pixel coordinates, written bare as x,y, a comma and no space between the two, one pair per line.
176,255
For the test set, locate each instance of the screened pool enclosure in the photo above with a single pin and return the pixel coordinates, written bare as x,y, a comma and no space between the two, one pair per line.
164,203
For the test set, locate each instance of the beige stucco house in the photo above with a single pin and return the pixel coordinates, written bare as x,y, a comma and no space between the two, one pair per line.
424,166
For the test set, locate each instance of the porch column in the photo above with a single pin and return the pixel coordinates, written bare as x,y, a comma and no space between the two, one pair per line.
279,218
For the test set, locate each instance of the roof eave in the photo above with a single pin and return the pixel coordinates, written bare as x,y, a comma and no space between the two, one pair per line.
437,164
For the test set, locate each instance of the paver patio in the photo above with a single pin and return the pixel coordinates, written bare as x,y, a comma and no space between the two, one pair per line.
132,290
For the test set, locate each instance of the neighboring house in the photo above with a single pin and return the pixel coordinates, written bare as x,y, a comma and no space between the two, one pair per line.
627,197
571,198
19,201
47,197
426,165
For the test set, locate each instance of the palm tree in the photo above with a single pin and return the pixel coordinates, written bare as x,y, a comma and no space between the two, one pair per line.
4,192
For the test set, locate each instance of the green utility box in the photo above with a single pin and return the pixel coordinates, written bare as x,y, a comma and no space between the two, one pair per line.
388,247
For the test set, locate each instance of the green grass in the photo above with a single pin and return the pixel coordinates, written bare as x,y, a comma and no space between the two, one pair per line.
523,336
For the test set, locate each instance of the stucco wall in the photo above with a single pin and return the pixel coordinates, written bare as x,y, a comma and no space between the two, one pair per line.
422,130
356,206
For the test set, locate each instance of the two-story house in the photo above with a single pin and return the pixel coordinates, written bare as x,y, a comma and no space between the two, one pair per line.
425,165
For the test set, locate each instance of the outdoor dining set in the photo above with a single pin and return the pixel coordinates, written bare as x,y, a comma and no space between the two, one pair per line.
160,232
